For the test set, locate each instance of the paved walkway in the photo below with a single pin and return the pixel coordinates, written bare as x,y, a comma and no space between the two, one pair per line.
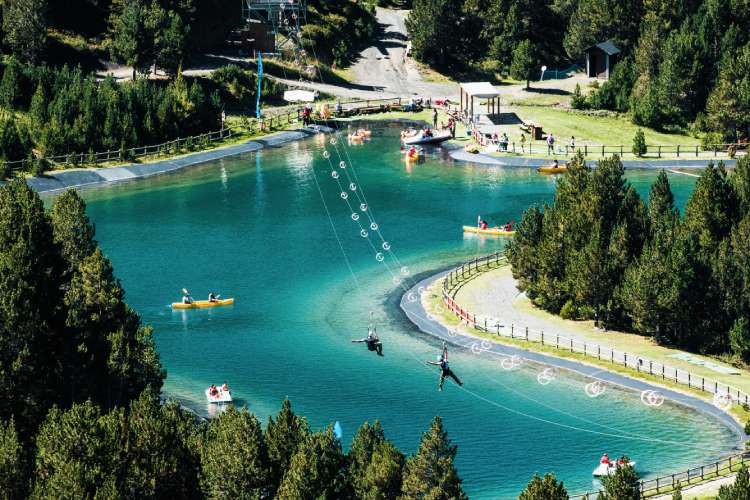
412,306
67,179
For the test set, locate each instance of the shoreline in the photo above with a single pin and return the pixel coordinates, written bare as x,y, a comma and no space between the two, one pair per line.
429,325
81,178
89,177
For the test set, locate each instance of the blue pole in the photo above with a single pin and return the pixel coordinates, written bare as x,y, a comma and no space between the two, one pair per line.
260,79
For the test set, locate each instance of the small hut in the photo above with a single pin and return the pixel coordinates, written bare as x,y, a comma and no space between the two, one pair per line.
480,90
600,59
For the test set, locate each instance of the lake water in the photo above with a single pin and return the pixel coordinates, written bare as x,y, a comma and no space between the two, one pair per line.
255,227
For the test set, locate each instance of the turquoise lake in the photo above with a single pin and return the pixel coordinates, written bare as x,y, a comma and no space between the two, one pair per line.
255,227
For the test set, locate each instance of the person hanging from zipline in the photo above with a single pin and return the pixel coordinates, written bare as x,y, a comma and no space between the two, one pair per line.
445,370
372,340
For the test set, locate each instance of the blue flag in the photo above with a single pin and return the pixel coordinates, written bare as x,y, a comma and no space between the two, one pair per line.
260,79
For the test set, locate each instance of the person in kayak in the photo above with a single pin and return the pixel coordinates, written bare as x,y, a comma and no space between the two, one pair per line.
372,341
445,370
605,459
483,225
225,387
413,152
212,297
186,298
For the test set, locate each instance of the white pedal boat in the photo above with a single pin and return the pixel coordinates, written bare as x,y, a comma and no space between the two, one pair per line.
607,469
220,397
420,139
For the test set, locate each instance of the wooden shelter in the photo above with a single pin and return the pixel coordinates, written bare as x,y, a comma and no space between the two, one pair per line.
600,59
481,90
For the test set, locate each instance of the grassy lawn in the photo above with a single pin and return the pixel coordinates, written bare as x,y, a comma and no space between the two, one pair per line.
590,130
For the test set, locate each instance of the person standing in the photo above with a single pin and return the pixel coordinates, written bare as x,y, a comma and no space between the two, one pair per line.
572,144
550,144
523,142
434,117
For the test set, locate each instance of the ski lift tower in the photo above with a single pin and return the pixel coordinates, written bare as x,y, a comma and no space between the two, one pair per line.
283,17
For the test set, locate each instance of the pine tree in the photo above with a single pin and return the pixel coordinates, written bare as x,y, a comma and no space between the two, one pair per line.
622,485
639,143
728,105
435,31
739,490
10,86
315,470
430,472
283,437
12,467
131,43
78,451
234,458
660,199
170,42
375,465
159,460
72,229
740,181
548,488
524,64
25,28
711,209
29,284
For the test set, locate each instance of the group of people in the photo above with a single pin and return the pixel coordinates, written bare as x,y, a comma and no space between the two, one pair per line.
213,391
502,141
620,461
188,299
551,144
508,226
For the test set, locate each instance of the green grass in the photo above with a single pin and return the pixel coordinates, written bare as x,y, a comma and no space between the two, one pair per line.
608,130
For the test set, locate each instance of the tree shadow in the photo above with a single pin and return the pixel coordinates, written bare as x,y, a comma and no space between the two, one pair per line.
545,91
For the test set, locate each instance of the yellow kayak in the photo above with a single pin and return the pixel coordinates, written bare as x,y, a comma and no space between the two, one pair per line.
491,231
199,304
552,170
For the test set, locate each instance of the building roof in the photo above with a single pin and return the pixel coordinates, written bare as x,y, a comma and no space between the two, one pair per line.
483,90
607,47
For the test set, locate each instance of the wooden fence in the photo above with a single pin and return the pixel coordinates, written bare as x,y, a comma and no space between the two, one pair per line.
459,276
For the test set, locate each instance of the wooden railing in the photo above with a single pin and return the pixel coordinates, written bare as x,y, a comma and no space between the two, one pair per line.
459,276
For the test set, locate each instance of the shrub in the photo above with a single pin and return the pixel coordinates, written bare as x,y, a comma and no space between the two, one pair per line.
639,143
568,310
711,140
578,101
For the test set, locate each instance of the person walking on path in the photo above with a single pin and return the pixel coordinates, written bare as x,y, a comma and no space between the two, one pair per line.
550,144
434,118
523,143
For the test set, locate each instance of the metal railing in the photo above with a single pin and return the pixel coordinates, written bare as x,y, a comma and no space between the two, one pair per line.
459,276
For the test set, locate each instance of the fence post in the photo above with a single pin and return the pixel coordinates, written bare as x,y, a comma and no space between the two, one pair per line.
625,357
599,352
602,149
527,335
585,150
678,151
571,345
659,151
557,341
542,337
662,372
696,151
